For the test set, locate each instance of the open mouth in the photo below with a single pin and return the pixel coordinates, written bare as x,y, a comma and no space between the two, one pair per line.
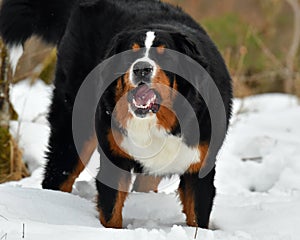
144,100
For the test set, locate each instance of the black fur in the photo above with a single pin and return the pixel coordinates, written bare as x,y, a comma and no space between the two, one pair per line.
87,32
19,19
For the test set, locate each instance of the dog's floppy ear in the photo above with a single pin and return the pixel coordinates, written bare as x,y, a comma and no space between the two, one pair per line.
115,44
188,47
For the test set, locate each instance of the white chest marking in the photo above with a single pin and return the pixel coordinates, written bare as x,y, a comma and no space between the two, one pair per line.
159,153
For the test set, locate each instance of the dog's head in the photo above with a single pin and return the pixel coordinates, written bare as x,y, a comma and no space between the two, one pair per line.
146,89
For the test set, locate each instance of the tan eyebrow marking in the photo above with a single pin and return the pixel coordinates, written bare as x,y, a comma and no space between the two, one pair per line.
161,49
136,47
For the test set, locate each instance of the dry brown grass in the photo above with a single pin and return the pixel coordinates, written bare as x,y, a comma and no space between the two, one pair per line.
271,62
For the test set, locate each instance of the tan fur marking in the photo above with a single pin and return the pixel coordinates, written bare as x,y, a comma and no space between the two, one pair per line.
166,117
175,85
161,49
187,200
136,47
195,168
85,155
115,139
122,113
116,220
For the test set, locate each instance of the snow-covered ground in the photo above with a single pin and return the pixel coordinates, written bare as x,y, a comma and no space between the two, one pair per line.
258,182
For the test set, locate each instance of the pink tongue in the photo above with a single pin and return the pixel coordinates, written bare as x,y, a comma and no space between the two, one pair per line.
143,95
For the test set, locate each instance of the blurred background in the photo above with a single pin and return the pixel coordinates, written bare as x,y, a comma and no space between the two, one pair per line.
259,41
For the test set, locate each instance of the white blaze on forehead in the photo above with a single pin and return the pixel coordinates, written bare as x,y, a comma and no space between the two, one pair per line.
150,36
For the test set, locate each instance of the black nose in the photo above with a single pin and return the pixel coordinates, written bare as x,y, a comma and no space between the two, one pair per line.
142,70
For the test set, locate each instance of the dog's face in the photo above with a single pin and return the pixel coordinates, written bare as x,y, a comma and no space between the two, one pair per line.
145,89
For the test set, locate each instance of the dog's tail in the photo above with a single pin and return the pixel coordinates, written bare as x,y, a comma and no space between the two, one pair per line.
20,19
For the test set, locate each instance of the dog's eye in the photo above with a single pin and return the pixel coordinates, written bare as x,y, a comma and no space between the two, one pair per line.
161,49
136,47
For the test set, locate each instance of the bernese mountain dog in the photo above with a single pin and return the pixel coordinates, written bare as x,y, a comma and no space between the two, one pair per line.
136,125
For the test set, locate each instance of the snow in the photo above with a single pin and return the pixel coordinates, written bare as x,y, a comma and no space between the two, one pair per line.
258,182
